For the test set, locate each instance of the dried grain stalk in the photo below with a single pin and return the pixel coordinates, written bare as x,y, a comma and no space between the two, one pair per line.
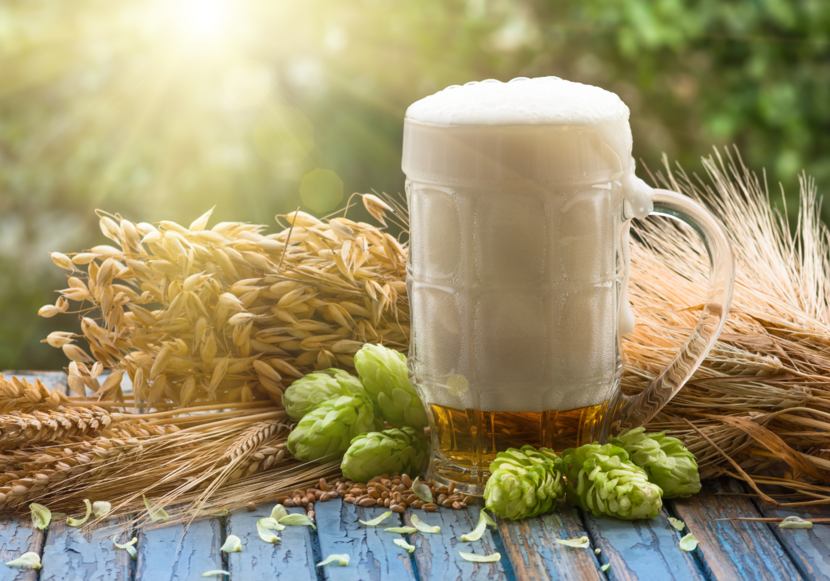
145,453
762,396
232,313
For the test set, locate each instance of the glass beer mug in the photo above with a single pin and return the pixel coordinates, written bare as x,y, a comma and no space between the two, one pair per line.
521,196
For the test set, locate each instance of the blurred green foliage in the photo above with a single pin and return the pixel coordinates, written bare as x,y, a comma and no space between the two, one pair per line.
161,109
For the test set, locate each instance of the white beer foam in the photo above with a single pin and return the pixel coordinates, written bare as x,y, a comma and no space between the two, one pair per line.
540,101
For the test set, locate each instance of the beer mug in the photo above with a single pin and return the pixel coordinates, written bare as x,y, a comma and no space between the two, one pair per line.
521,196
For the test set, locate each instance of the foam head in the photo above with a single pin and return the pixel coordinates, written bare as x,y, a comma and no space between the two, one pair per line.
541,101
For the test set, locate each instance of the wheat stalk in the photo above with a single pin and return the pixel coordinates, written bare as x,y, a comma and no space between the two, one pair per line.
763,393
17,394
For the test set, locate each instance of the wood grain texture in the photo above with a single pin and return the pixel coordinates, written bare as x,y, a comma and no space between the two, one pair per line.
71,553
733,550
165,555
292,559
642,549
436,555
18,536
374,556
535,555
50,379
809,549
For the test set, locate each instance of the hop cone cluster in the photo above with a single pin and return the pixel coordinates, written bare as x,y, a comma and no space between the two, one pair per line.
602,479
306,393
403,450
325,432
524,483
666,460
386,379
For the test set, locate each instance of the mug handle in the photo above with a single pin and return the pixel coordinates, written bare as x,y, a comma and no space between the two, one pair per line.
637,410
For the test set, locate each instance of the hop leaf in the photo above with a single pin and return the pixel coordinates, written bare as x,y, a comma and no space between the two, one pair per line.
324,433
306,393
404,451
524,483
386,379
602,479
666,460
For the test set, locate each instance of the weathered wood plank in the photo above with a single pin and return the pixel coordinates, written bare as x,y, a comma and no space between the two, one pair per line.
642,549
733,550
50,379
18,536
374,556
436,555
810,549
88,555
535,555
292,559
164,554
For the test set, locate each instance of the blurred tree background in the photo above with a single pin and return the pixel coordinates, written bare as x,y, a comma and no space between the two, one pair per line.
160,109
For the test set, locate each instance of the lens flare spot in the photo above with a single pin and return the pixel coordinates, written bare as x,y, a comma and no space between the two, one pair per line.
321,190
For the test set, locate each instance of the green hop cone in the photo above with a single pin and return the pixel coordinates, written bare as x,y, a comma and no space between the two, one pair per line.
403,450
325,432
524,483
666,460
386,379
308,392
602,479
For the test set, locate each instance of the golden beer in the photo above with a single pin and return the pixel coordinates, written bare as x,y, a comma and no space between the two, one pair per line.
469,439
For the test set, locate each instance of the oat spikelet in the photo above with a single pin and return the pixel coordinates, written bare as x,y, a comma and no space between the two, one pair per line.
242,312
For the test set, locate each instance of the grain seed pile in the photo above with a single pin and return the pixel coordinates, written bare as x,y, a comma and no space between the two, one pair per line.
393,491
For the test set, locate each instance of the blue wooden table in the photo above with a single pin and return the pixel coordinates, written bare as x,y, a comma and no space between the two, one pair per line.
634,550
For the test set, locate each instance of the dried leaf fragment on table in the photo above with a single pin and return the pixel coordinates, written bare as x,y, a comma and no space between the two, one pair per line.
26,561
264,528
580,543
376,521
101,508
484,521
795,522
41,516
157,513
341,560
278,512
422,526
128,546
404,545
677,523
473,558
74,522
297,520
688,543
232,545
421,490
401,530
